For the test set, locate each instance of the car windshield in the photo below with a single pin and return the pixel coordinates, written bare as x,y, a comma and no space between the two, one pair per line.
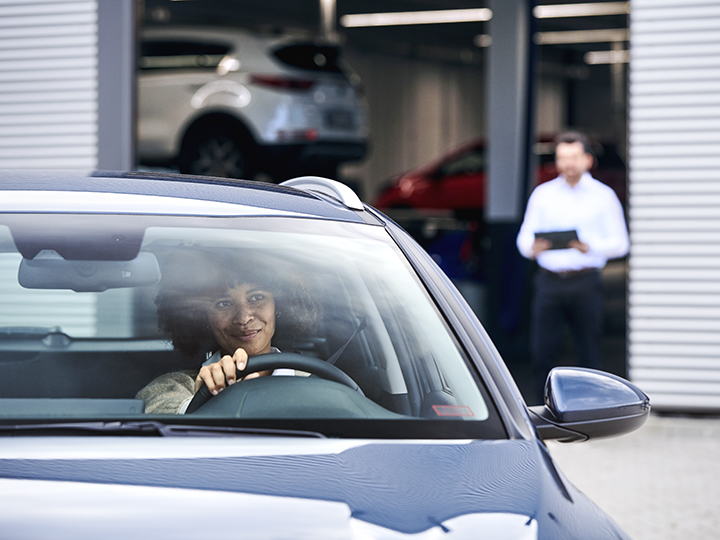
112,316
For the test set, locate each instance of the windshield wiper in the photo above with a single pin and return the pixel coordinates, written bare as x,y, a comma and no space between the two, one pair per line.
28,331
52,337
153,427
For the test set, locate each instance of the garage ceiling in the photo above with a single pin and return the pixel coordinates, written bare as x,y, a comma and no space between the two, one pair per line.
455,41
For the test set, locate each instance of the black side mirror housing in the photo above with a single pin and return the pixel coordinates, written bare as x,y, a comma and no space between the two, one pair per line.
582,404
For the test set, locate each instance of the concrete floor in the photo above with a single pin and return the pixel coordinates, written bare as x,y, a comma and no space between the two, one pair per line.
661,482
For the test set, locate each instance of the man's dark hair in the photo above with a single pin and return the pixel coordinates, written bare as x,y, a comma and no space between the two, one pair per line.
574,137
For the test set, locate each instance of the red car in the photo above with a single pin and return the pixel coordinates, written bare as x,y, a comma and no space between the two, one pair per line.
456,180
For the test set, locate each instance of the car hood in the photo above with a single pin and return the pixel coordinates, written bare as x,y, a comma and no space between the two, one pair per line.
119,487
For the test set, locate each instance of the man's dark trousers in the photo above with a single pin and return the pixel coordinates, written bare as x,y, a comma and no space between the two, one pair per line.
572,298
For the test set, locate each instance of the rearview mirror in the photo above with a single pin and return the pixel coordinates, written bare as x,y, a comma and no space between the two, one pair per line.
582,404
48,270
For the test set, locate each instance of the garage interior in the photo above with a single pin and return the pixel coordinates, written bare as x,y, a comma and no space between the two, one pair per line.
426,83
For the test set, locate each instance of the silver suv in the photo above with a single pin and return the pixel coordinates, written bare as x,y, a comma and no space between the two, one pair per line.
230,103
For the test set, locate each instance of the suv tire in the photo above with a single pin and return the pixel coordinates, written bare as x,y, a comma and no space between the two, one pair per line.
216,152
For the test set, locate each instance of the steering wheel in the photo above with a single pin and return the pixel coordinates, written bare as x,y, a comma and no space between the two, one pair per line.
263,362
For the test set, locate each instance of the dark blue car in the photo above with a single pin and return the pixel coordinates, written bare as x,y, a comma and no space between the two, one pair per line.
186,357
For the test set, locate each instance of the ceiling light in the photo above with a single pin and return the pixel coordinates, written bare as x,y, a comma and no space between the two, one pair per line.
608,35
482,40
416,17
581,10
607,57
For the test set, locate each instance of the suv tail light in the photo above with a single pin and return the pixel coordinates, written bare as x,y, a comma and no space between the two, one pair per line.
282,82
297,135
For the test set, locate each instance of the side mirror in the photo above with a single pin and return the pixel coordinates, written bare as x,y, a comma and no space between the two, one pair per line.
582,404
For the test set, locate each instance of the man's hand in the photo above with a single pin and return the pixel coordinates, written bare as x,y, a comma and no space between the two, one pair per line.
540,245
580,246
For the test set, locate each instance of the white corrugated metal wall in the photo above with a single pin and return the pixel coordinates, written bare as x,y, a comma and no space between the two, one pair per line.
674,135
48,84
56,98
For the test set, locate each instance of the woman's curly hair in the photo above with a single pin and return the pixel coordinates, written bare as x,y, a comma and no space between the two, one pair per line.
192,278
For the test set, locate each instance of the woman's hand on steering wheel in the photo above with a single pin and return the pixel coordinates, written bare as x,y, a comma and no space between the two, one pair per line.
218,375
264,364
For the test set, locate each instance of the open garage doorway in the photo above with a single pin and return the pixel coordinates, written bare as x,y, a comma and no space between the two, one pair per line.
420,109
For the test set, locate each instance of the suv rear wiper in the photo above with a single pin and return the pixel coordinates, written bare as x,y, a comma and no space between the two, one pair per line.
152,427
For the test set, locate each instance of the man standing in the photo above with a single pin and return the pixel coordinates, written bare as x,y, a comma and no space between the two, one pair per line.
587,228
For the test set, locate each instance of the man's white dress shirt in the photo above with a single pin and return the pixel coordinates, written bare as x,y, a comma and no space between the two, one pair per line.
591,208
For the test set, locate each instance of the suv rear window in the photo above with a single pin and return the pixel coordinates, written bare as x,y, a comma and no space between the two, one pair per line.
310,57
181,54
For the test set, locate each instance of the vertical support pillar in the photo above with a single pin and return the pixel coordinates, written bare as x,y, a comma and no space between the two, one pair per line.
116,84
508,109
328,10
617,85
509,134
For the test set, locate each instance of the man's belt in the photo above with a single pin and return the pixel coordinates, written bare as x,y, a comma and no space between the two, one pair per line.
564,274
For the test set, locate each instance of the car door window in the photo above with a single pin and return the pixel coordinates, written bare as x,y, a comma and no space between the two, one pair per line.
470,163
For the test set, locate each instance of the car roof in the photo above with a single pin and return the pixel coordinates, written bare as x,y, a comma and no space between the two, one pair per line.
176,190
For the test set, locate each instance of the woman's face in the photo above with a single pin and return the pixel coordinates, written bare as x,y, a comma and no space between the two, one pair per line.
243,317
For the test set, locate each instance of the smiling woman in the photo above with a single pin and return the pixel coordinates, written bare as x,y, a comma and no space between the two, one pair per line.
226,306
243,318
